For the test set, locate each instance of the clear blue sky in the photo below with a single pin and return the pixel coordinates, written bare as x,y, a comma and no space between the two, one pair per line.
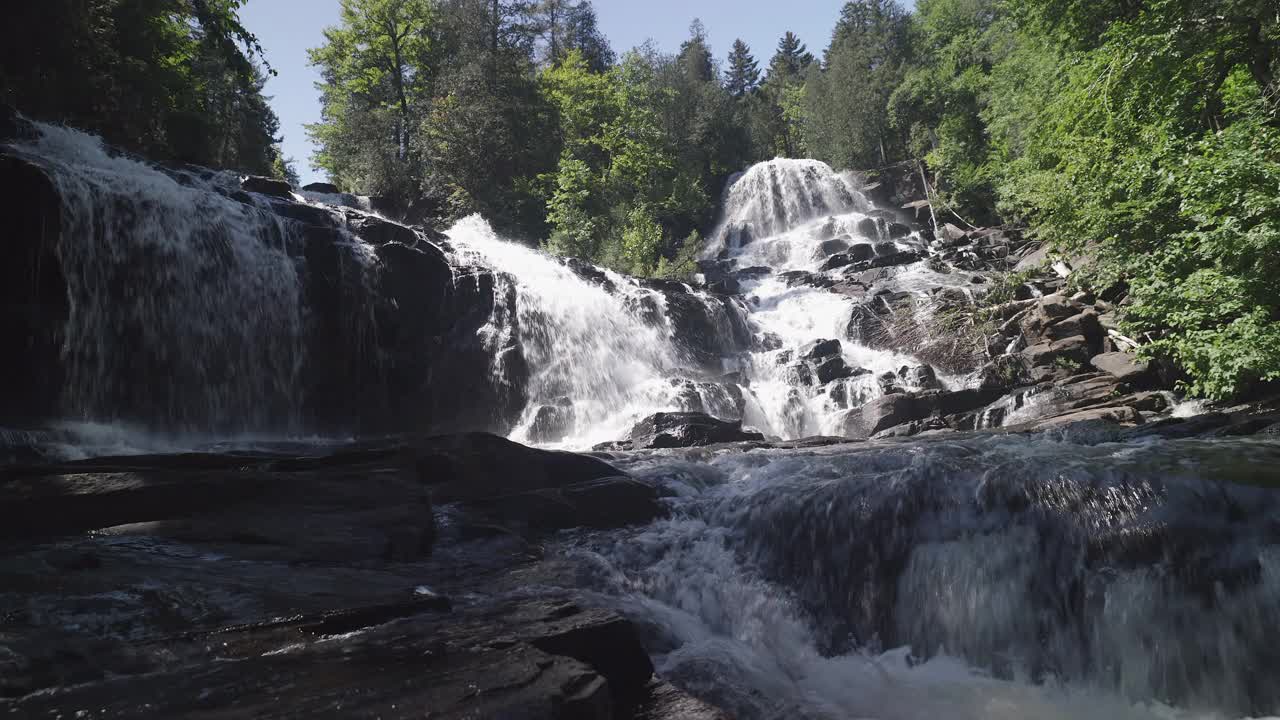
288,27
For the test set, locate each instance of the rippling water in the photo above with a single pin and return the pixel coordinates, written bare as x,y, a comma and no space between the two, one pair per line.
981,577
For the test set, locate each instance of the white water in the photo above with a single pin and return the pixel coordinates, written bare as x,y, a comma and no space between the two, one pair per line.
175,288
722,588
612,353
790,208
584,344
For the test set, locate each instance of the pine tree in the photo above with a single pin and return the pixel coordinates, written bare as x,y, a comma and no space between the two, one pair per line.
695,55
790,61
743,74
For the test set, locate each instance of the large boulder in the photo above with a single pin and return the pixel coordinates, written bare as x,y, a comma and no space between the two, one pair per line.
322,187
890,410
551,423
948,409
477,466
1124,367
686,429
266,186
377,231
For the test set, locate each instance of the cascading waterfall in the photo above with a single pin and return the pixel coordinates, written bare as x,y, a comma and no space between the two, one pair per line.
790,215
999,577
596,365
186,308
773,197
970,577
605,352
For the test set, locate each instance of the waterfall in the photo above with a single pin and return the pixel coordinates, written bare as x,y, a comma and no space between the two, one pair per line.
184,305
773,197
601,354
998,577
790,216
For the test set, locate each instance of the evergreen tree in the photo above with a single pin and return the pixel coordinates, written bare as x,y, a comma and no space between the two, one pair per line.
695,60
790,61
743,74
848,124
775,125
565,26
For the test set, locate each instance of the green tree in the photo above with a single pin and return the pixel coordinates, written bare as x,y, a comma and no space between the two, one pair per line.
847,123
377,78
177,80
743,74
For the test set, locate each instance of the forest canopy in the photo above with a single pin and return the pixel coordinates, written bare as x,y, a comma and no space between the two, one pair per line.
175,80
1142,136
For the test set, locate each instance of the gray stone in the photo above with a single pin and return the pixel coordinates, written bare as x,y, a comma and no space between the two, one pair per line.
890,410
266,186
1122,366
1057,307
861,252
820,349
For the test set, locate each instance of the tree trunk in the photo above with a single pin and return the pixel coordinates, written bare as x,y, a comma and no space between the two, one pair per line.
397,78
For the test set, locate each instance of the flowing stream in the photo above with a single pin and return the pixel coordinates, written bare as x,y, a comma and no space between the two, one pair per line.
998,577
1043,576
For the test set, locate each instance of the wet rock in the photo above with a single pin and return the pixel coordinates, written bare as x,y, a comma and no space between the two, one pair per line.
886,249
831,247
602,503
266,186
1121,415
552,423
835,368
376,231
888,411
675,430
754,272
861,252
921,377
532,659
725,286
472,467
901,408
818,349
722,399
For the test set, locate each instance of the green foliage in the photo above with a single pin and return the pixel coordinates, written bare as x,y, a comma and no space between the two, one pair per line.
743,73
177,80
644,149
847,124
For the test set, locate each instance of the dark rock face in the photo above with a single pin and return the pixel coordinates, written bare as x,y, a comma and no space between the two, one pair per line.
552,422
678,430
266,186
322,187
388,343
946,408
33,300
706,327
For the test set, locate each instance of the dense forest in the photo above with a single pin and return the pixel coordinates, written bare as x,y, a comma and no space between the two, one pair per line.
174,80
1143,135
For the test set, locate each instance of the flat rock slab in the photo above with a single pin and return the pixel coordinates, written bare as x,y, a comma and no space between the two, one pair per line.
544,659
